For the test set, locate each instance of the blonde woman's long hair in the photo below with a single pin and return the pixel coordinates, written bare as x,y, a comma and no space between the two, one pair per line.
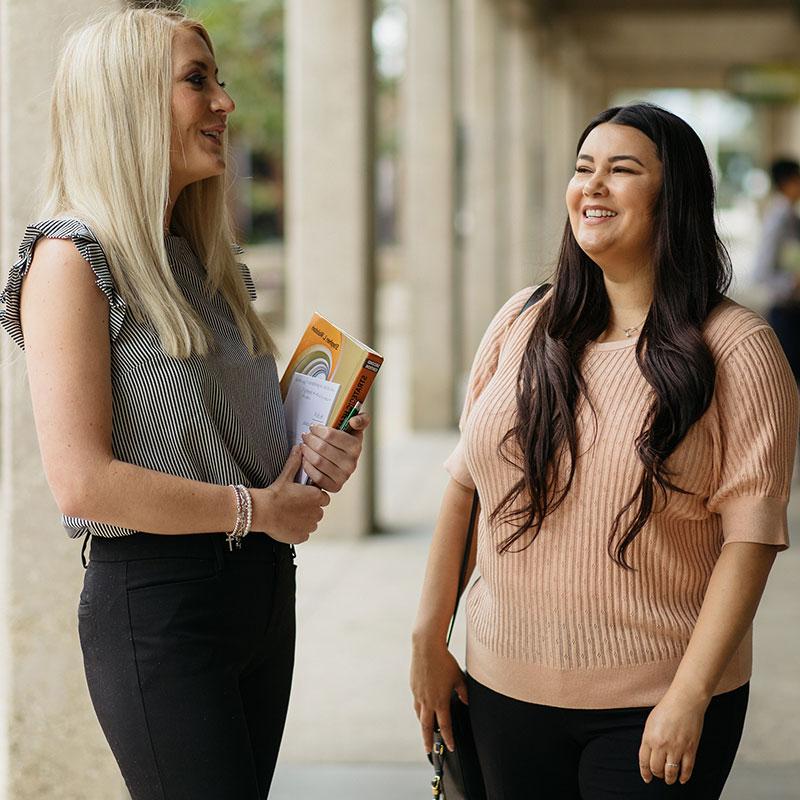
109,166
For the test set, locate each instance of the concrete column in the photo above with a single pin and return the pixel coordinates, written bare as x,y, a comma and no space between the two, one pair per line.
520,141
480,275
329,223
50,742
781,124
557,126
587,86
540,147
428,208
505,151
561,129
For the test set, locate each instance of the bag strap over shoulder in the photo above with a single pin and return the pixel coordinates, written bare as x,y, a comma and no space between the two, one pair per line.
537,295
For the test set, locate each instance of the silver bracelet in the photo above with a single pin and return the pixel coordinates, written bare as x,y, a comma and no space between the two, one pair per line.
244,516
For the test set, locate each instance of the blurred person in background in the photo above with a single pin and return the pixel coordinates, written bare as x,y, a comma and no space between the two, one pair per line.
159,415
778,258
631,438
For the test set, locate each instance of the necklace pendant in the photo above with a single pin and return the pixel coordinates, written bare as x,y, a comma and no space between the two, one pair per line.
628,332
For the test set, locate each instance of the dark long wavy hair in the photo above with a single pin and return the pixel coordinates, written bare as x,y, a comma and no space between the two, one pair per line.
692,272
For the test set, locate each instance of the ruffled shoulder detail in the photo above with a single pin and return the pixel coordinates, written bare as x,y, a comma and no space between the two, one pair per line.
249,283
88,246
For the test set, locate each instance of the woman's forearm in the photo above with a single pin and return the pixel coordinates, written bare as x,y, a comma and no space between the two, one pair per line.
730,604
444,562
129,496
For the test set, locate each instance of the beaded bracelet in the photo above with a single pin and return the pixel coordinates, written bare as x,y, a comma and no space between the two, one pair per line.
244,516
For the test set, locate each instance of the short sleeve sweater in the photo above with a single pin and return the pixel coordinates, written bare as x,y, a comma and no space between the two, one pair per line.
216,418
559,623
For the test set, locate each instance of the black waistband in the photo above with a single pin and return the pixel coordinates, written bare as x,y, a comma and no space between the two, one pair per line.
255,547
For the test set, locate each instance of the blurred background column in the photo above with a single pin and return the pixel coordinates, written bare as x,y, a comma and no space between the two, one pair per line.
557,130
780,130
428,208
521,141
479,107
330,217
50,742
561,124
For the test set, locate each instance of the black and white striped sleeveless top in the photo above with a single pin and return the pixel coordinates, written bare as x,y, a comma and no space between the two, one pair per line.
216,418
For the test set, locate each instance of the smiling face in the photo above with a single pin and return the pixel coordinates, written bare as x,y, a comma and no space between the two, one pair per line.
612,195
200,108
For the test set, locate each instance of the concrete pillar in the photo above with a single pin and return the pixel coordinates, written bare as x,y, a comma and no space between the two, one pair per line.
560,133
781,126
557,130
540,149
505,132
480,280
329,222
520,143
50,742
428,208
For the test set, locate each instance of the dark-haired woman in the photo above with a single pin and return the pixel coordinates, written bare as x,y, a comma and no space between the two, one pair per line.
631,438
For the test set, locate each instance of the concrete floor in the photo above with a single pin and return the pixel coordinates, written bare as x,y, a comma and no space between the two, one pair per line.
406,782
351,731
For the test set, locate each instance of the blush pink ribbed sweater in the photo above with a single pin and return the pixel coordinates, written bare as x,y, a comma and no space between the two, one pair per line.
559,623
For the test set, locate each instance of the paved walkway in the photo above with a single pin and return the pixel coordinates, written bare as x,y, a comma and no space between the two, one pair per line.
397,782
351,730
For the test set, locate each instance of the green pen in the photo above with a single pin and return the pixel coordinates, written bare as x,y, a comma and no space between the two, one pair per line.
345,426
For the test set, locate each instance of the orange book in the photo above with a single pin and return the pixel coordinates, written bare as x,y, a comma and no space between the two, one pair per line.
335,368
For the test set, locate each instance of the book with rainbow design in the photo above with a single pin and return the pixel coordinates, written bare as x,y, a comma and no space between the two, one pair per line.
327,379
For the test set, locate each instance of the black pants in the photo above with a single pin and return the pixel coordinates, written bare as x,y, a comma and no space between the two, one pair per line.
534,752
785,321
188,650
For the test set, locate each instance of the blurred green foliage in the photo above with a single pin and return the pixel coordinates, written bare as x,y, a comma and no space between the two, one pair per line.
249,45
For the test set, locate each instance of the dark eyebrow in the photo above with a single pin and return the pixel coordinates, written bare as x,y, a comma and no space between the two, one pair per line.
613,159
625,158
202,64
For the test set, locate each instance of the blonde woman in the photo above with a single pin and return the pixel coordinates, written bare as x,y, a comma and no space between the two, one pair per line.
159,417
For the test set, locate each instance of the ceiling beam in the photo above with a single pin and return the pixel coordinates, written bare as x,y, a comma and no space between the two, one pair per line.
555,8
743,37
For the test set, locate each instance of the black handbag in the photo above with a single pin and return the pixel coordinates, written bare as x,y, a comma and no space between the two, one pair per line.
457,775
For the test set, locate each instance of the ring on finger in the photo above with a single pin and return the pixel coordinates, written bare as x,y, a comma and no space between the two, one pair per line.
670,764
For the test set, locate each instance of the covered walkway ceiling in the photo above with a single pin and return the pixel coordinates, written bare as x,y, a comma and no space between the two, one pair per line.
569,6
690,43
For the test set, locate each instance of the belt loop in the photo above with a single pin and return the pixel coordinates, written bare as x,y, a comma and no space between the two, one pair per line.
84,561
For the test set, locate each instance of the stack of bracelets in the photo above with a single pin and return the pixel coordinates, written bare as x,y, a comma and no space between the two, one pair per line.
244,516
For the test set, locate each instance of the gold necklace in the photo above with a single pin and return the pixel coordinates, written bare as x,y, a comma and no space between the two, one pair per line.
629,331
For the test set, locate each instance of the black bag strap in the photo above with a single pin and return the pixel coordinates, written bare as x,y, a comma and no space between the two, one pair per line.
537,295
